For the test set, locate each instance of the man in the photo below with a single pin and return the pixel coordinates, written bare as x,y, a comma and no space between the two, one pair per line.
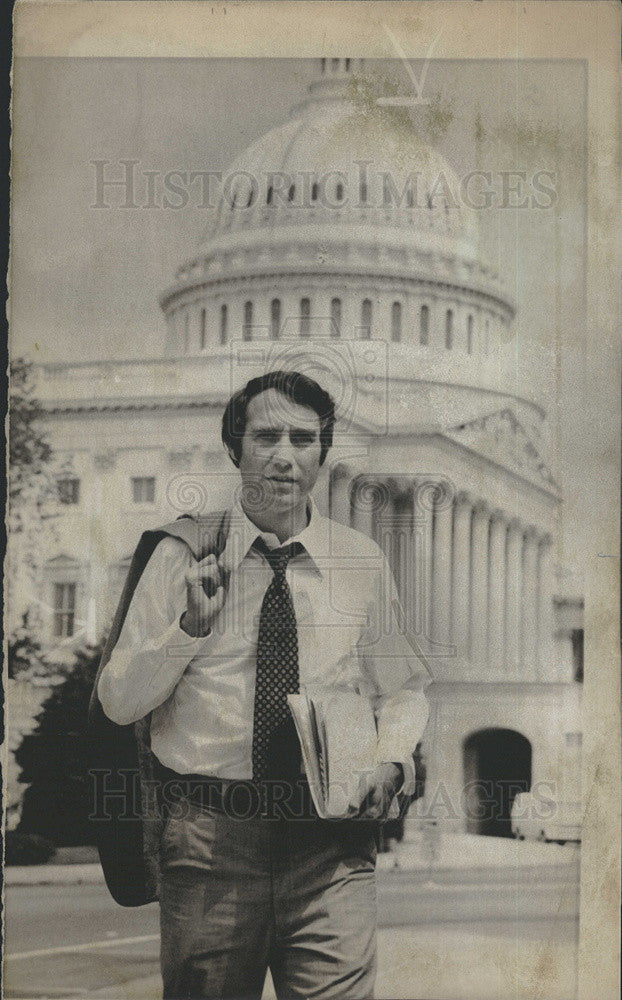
211,649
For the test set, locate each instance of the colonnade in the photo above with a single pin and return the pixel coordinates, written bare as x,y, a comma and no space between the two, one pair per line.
475,581
202,322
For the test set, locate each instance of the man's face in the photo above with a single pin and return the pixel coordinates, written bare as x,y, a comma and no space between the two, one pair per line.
281,449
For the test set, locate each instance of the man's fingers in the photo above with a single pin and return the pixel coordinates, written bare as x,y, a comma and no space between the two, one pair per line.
218,600
207,569
206,574
197,574
376,803
370,805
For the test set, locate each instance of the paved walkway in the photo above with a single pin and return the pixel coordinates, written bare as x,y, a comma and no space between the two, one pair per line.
452,962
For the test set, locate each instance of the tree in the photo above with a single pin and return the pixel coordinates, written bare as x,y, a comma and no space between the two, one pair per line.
30,492
29,449
54,759
25,657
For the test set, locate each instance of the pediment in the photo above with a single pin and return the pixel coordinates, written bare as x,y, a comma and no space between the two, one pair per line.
62,560
501,438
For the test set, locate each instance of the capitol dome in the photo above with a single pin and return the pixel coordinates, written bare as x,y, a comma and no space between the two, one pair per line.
341,223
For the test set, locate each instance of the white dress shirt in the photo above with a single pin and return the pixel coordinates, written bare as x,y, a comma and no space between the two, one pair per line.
201,690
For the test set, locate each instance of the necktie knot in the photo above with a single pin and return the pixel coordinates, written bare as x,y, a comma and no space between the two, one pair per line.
279,558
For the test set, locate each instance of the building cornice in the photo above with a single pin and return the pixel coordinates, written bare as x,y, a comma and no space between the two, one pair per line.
485,460
127,406
187,290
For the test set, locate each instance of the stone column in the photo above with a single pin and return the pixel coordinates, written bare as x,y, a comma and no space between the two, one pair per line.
384,516
410,320
479,585
529,605
496,591
405,551
514,596
441,573
321,491
424,493
436,329
461,574
365,502
340,495
289,325
546,646
320,307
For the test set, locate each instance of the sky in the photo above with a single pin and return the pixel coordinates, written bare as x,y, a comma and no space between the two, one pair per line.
85,280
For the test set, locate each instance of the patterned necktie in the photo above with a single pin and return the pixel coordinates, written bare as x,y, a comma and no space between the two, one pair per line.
276,751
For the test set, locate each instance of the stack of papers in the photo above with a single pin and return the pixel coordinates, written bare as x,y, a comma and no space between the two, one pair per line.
337,733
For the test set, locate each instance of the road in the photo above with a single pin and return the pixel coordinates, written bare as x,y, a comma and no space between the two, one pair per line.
73,941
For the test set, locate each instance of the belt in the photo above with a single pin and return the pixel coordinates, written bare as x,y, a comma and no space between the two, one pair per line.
238,798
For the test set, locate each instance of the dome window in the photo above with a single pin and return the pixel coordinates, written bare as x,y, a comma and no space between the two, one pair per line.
247,331
366,319
470,335
335,318
315,190
223,324
334,65
428,201
424,325
305,317
449,329
347,65
363,192
323,65
291,194
410,197
339,191
269,196
396,321
275,318
203,329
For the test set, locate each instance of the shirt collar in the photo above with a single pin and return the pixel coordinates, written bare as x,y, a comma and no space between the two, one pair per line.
242,534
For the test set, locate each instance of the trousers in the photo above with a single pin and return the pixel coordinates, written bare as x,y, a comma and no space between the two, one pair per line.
240,895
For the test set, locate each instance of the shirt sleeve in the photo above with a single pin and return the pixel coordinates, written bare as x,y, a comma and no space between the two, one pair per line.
396,677
152,651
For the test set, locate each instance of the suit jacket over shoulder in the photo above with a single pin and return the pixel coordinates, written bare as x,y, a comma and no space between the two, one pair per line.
125,813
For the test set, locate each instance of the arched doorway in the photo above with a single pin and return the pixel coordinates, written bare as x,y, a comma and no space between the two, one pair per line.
497,766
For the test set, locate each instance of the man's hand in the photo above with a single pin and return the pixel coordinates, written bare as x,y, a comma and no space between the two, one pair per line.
206,585
381,788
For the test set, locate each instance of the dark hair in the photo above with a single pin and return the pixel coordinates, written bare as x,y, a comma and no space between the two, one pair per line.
299,388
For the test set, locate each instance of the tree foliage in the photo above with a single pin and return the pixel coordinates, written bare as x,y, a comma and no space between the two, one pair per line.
29,449
30,501
25,658
54,759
